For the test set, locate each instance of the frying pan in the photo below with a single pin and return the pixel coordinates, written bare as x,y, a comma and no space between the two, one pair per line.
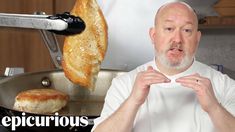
83,102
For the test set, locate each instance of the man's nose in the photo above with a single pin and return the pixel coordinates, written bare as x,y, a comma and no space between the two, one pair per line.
177,38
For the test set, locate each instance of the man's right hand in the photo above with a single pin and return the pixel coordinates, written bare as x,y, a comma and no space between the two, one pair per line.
142,84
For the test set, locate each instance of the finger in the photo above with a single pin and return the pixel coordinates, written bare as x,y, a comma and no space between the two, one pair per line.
155,74
194,80
192,86
191,83
189,80
154,81
149,72
191,76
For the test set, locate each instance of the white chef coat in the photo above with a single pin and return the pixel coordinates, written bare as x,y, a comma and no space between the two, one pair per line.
170,107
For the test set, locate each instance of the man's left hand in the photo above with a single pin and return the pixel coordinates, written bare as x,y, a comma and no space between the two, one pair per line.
203,88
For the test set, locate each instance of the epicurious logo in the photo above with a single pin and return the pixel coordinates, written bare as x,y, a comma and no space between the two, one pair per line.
41,121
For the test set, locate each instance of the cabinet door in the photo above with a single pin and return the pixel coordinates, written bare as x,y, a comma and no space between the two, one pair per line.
24,47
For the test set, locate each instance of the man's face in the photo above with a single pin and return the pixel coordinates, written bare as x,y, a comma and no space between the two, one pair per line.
175,37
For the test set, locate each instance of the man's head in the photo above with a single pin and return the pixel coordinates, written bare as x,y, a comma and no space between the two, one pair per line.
175,35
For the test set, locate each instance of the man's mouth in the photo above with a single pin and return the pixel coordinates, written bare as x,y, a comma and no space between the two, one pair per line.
175,49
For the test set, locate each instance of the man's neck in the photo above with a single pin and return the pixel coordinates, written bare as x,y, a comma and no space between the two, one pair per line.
170,71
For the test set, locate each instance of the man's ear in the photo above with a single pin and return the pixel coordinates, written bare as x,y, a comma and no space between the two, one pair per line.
152,34
198,36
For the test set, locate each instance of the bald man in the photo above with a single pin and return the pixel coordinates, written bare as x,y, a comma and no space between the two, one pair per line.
174,92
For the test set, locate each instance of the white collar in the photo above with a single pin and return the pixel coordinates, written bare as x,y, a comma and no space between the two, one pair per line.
191,70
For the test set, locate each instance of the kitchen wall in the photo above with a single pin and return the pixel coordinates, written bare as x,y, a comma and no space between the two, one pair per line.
217,46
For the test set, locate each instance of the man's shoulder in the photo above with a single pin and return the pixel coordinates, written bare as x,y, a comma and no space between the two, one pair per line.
207,70
142,67
212,73
202,65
